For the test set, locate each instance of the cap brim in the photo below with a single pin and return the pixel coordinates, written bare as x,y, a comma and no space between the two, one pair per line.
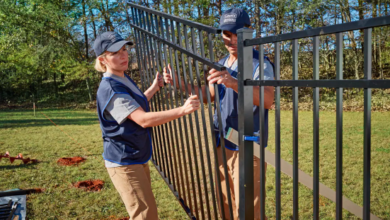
118,45
230,27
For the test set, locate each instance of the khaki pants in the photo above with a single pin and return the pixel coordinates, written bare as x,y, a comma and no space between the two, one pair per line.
134,186
233,178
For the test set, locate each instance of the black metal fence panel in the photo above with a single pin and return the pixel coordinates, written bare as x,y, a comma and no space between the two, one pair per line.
245,41
182,154
185,150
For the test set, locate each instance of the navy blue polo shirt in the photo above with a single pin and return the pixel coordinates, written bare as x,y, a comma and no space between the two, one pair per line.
124,143
229,101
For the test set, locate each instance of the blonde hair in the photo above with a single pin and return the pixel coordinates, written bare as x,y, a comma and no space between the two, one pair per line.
99,66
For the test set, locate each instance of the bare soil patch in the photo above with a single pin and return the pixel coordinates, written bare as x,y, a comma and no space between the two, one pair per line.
69,161
90,185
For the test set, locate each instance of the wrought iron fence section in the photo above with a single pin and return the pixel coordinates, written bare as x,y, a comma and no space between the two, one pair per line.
182,154
245,43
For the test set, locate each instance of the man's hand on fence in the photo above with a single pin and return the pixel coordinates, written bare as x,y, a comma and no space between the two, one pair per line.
222,77
158,82
168,75
192,104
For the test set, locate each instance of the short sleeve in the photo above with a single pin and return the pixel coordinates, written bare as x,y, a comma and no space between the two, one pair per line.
268,71
121,106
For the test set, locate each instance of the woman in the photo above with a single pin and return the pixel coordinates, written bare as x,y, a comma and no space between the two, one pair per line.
125,120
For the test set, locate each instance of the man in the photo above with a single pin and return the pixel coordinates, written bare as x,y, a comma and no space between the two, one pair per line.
232,20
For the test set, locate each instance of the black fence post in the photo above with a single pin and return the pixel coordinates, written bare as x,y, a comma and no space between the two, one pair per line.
367,124
245,125
339,127
316,130
277,134
295,132
262,133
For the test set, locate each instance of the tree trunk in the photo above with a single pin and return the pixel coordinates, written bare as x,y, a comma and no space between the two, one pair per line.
89,89
106,17
199,11
218,4
86,47
176,8
278,18
374,47
165,4
293,21
257,27
128,17
379,46
361,17
346,14
85,29
93,22
156,4
206,10
55,85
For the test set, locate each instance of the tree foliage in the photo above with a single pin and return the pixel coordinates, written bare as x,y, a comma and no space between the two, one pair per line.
46,45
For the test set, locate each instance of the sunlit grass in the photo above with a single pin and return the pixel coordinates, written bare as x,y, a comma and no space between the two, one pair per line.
36,137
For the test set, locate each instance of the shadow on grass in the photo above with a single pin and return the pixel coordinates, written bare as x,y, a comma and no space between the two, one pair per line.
46,122
11,167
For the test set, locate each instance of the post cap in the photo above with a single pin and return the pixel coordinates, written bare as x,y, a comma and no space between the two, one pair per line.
245,30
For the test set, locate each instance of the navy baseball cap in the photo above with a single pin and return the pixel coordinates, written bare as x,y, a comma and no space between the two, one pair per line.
109,41
234,19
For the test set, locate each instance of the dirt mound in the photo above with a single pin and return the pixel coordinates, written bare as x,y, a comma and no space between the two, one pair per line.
90,185
69,161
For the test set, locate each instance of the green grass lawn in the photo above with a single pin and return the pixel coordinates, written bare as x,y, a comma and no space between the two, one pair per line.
36,137
353,129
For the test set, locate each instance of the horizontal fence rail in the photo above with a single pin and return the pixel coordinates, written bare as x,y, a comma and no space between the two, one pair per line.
245,87
356,25
193,24
182,152
363,83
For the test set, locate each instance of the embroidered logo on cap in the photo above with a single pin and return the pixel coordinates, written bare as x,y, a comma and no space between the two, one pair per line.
230,18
